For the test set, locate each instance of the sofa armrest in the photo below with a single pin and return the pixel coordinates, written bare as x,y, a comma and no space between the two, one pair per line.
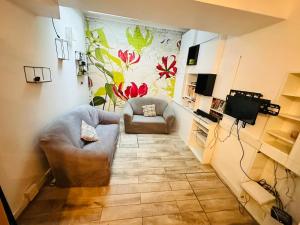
108,117
169,115
128,113
72,166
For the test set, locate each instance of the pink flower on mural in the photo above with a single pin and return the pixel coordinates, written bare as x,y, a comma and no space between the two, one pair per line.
165,69
129,58
131,91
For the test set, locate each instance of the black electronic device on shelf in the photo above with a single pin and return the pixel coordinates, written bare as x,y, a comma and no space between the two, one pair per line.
193,55
245,106
206,115
205,84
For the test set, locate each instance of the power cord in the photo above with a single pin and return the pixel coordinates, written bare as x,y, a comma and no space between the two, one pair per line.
243,153
54,28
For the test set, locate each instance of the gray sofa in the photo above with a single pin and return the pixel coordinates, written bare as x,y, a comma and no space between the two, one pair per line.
74,162
136,123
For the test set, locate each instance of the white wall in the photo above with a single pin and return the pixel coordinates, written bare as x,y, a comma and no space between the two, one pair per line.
25,108
267,56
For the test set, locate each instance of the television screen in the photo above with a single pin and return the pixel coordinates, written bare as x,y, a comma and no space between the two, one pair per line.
205,84
242,107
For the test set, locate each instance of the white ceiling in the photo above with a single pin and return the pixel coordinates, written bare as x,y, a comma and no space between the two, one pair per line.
189,14
233,17
47,8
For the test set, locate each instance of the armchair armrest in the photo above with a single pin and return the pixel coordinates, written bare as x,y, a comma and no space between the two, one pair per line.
169,115
108,117
128,113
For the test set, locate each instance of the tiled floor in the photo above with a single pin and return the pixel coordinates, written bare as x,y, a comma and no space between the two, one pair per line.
156,180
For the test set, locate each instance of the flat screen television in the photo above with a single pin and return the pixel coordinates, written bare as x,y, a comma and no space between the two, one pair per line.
243,108
205,84
193,55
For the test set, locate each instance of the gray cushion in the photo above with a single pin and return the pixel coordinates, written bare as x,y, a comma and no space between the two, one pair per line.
108,137
138,119
137,103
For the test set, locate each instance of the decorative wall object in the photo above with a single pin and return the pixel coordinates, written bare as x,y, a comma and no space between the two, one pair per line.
81,63
35,74
62,49
128,61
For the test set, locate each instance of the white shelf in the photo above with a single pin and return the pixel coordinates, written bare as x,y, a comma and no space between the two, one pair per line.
217,111
282,136
291,95
276,151
200,138
257,192
291,117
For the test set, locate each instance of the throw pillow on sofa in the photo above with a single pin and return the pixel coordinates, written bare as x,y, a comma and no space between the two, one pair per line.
88,133
149,110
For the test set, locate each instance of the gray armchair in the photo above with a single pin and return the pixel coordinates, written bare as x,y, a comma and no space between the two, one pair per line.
74,162
136,123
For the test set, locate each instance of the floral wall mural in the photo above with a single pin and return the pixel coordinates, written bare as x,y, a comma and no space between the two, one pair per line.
128,61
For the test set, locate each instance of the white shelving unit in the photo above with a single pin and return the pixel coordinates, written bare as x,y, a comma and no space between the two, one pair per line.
278,142
201,138
258,193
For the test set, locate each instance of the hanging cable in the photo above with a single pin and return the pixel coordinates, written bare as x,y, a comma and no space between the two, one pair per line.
54,28
243,153
229,134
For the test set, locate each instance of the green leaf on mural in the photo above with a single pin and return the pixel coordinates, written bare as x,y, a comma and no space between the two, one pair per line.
170,87
137,40
102,38
110,92
111,58
103,70
118,77
97,100
100,92
98,55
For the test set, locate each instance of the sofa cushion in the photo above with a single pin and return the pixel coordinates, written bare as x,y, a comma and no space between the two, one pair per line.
137,119
88,133
109,136
149,110
137,103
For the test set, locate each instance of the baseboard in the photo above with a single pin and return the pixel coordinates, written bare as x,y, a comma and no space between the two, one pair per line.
31,192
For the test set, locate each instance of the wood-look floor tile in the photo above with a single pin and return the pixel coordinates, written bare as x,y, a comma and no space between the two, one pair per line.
206,184
167,196
77,217
161,178
135,221
174,219
195,218
180,185
214,205
138,171
185,169
190,218
123,179
159,208
189,206
229,217
46,219
137,188
215,193
201,176
43,207
141,210
102,201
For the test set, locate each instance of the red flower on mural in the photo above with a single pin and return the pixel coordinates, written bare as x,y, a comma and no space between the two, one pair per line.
164,69
131,91
128,58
